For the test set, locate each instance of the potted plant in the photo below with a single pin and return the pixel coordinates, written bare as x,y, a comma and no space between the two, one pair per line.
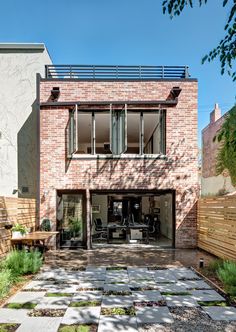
18,231
75,225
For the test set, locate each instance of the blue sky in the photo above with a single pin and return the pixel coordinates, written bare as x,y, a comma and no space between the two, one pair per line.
132,32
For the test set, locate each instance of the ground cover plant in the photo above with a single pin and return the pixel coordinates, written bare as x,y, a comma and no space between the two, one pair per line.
8,327
26,305
47,313
122,293
118,311
85,304
16,266
78,328
227,274
175,293
59,294
160,303
212,303
115,268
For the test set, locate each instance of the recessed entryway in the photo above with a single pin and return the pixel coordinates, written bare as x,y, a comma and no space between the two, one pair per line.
133,217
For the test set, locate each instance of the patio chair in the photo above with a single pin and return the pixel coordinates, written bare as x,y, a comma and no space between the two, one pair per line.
101,231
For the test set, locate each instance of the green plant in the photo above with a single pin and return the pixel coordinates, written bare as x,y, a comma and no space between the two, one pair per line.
118,311
59,294
225,50
26,305
175,293
77,328
227,274
19,228
85,304
23,262
212,303
8,327
226,157
75,225
46,225
6,281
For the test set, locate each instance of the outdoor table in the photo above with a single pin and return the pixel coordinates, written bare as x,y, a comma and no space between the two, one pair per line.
127,229
34,237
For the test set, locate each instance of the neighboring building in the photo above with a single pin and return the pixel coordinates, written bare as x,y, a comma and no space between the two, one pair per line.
19,64
211,183
119,145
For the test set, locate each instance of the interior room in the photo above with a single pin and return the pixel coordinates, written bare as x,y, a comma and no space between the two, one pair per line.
133,218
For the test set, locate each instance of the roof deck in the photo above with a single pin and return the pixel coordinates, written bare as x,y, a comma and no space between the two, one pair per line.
92,72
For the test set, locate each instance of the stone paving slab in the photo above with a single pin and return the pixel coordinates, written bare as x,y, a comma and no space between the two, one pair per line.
117,287
88,296
37,284
40,324
110,279
189,284
23,297
171,288
63,288
87,276
206,295
141,275
13,315
96,269
137,269
121,323
117,301
152,315
164,276
180,301
91,284
82,315
221,313
186,275
149,295
53,303
143,283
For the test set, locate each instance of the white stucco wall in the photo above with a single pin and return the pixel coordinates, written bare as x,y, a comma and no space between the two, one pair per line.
216,185
18,131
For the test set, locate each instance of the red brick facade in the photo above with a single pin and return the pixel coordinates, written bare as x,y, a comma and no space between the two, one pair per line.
178,172
209,146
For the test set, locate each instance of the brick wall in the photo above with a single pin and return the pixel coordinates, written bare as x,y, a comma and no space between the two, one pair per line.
210,148
179,172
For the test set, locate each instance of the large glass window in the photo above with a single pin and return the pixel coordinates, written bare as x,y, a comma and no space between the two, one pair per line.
116,131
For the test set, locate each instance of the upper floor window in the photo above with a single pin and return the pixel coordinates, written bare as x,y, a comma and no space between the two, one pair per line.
116,131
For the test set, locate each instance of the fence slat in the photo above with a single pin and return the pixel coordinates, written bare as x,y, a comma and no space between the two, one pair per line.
217,226
15,210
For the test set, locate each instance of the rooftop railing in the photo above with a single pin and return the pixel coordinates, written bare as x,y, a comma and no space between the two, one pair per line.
116,72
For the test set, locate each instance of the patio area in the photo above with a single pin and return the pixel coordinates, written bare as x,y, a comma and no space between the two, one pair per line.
125,255
112,289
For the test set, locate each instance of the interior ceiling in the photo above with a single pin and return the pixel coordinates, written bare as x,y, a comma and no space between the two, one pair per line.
151,120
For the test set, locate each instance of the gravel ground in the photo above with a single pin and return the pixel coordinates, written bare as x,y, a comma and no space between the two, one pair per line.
190,320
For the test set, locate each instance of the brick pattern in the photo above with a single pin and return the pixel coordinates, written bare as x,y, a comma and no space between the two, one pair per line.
210,148
179,172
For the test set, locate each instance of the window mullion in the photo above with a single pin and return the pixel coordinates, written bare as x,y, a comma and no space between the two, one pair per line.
141,144
76,128
93,134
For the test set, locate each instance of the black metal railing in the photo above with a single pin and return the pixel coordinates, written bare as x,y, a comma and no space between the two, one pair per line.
116,72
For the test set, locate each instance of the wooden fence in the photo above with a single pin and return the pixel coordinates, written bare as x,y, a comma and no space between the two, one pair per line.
217,226
15,210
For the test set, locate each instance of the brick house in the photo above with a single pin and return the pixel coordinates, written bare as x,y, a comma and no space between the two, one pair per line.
212,184
118,152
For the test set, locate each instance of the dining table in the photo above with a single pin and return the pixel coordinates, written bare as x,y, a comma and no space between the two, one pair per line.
34,238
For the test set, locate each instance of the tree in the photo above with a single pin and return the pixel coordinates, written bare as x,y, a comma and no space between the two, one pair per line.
226,158
226,49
